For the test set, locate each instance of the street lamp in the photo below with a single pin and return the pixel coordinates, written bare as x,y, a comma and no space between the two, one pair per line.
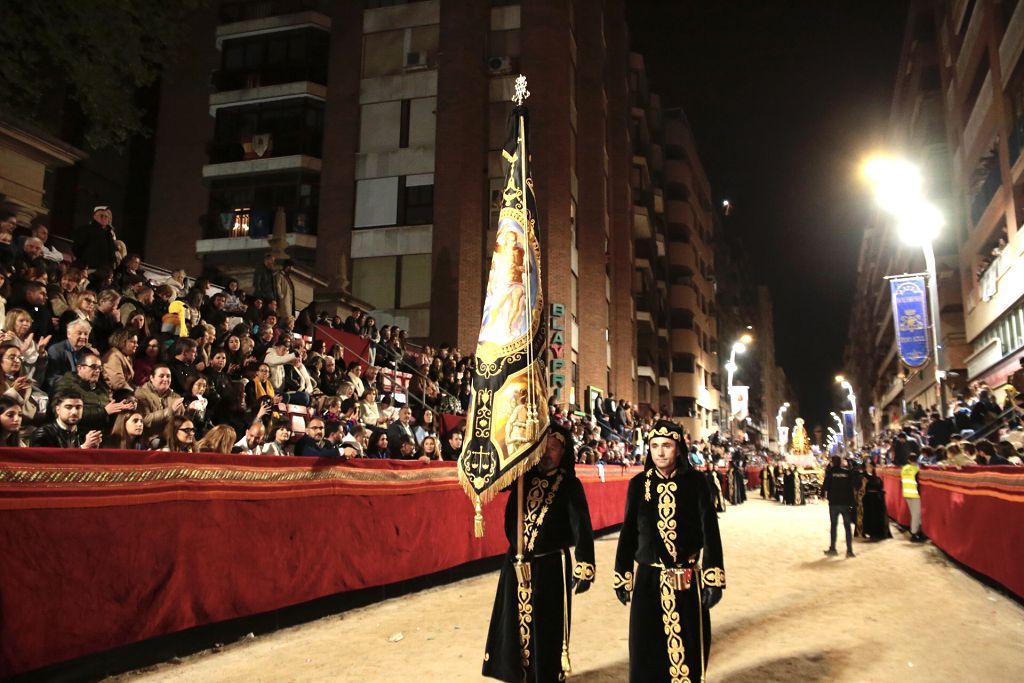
778,422
852,398
896,185
739,346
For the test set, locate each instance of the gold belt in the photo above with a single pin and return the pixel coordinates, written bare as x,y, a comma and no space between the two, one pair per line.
680,578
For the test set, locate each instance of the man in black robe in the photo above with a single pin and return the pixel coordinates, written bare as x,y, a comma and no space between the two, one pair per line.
671,532
528,639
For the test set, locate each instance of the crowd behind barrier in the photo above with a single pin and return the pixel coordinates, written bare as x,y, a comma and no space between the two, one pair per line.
96,352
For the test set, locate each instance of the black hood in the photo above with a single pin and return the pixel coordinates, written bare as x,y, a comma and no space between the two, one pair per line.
671,430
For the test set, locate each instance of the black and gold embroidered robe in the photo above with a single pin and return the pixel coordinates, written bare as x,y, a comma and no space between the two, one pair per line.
715,486
669,523
767,482
528,645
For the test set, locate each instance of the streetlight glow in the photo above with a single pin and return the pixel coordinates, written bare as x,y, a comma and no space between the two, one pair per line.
919,223
746,339
739,347
893,181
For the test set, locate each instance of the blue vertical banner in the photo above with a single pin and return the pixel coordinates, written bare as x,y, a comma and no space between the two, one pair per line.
910,318
848,426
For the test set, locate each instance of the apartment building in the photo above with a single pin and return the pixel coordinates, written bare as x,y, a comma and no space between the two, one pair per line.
362,140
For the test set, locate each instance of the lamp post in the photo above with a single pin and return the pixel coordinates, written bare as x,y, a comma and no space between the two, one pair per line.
739,346
896,185
852,398
778,422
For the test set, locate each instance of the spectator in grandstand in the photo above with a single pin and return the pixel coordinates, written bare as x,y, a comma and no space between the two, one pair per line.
105,320
353,374
83,306
157,401
400,428
251,441
128,432
146,358
1005,454
426,426
284,289
14,383
10,422
197,406
277,357
98,407
179,435
452,446
357,439
118,368
182,364
33,301
260,391
263,279
94,243
314,443
64,356
218,440
62,431
369,413
406,448
18,330
378,446
428,449
41,231
279,444
216,376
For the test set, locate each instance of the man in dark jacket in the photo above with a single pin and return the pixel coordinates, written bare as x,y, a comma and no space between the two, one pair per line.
183,365
63,431
263,279
838,489
314,443
94,243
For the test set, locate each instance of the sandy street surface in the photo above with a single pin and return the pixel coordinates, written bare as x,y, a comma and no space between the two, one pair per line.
896,612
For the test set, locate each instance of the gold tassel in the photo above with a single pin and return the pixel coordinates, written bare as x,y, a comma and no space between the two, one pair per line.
478,521
566,666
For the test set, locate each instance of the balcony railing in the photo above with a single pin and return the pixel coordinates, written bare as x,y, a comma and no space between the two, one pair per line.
280,144
983,197
270,75
258,222
230,12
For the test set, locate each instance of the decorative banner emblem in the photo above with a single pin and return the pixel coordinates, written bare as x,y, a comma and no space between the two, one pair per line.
848,425
508,416
740,405
910,318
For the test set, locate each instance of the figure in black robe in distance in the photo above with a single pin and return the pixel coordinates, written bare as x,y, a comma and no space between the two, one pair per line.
671,535
876,517
555,517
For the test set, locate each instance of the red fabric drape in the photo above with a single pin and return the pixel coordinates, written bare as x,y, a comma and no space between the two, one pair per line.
354,347
106,548
753,478
975,514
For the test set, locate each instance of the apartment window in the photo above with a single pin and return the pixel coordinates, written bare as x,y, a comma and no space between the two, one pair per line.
272,58
405,200
683,362
393,282
272,129
388,53
398,124
242,208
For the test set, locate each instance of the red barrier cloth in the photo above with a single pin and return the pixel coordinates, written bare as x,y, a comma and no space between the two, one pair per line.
753,478
974,514
353,347
895,505
106,548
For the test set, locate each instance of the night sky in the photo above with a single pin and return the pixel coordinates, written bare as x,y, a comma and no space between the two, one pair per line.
785,97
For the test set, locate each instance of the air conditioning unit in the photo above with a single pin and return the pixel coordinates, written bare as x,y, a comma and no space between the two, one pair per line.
415,60
499,66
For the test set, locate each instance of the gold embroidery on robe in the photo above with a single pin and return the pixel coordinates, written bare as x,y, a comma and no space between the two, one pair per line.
714,576
623,581
667,516
677,670
584,571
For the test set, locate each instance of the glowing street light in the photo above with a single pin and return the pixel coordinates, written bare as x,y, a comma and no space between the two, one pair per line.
897,187
778,422
852,398
739,346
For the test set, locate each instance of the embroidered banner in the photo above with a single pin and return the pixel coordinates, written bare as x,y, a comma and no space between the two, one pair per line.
508,414
740,403
910,318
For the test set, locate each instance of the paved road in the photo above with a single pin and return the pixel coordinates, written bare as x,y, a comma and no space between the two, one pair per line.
898,611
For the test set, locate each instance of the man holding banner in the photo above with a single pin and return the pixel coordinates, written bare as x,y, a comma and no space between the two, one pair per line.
509,445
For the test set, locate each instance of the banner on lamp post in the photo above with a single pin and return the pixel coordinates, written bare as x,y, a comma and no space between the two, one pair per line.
910,318
848,425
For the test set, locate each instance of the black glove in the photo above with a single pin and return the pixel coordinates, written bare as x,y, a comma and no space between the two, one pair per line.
623,595
710,596
581,586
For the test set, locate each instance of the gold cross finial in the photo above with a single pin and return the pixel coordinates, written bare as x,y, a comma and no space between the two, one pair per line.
521,92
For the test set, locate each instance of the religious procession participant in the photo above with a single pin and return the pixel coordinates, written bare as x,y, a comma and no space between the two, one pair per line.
715,484
767,481
671,532
528,639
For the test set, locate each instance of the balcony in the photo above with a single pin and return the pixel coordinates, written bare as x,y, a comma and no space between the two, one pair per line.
685,297
249,10
256,224
251,167
979,114
250,79
685,341
685,384
285,21
267,146
682,254
641,223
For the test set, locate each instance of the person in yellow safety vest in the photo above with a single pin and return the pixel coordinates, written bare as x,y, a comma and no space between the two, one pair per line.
912,495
